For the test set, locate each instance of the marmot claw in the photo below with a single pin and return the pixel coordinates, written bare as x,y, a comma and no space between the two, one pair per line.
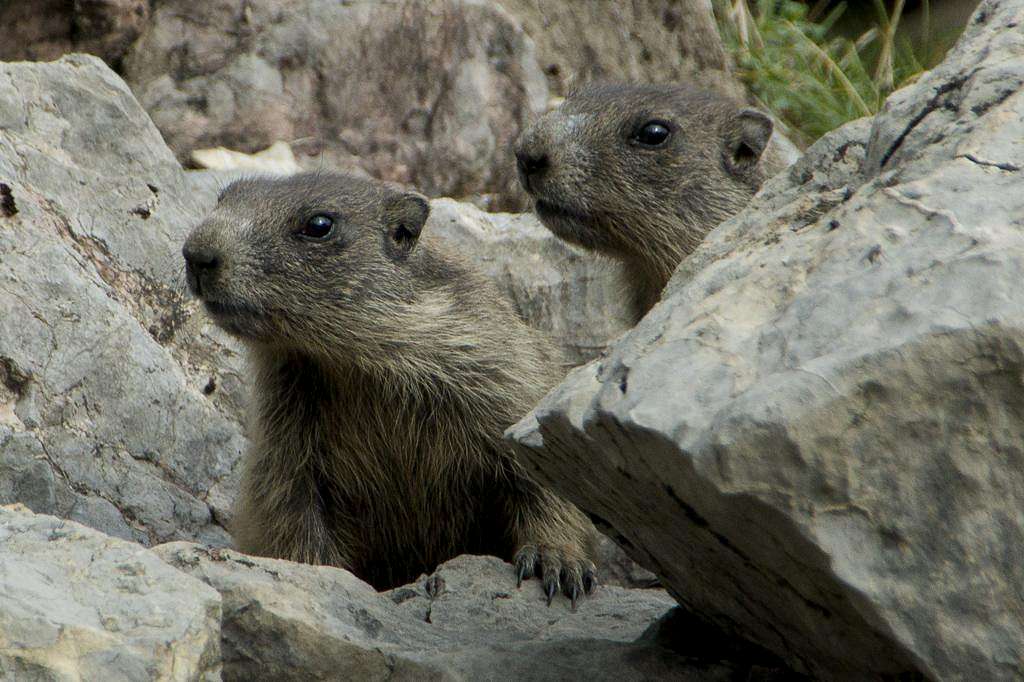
434,586
560,568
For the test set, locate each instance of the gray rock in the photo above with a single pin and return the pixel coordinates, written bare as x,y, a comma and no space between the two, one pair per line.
429,94
617,568
77,604
119,407
291,621
480,605
815,439
577,297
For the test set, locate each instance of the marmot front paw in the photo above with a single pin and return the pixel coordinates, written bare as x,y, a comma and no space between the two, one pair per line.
564,567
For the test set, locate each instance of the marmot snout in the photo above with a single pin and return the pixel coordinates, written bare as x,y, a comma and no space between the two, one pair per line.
386,371
292,262
642,173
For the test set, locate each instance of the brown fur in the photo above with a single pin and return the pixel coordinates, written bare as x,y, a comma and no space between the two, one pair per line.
386,372
595,186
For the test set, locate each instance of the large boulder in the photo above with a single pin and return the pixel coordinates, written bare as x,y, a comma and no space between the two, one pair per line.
117,409
429,94
121,404
815,439
287,621
76,604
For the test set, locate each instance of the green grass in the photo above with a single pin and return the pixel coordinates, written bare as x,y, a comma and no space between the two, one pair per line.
809,75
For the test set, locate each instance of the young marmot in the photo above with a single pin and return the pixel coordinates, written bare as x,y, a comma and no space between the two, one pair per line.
642,173
386,370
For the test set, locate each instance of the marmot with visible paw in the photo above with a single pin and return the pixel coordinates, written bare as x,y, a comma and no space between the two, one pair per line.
386,371
643,172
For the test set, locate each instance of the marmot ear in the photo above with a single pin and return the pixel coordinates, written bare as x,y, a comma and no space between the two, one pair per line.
405,213
747,136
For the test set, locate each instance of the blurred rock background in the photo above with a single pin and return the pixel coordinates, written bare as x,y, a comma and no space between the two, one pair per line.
430,94
433,93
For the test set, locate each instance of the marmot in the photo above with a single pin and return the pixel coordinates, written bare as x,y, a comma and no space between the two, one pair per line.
643,172
386,372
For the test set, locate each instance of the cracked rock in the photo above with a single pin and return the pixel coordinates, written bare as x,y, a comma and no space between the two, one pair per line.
815,439
102,417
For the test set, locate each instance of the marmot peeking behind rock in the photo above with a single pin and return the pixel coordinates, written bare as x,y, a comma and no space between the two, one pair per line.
643,172
386,372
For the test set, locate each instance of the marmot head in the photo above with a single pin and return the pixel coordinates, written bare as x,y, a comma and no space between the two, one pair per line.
642,172
308,261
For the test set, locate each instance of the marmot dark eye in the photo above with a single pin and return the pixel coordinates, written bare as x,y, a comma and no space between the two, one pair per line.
652,134
318,227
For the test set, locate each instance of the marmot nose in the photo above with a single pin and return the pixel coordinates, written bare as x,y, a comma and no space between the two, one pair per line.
201,263
531,163
200,258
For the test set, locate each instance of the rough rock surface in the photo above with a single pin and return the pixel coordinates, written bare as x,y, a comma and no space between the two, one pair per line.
47,29
120,403
429,94
290,621
576,297
116,408
815,439
76,604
